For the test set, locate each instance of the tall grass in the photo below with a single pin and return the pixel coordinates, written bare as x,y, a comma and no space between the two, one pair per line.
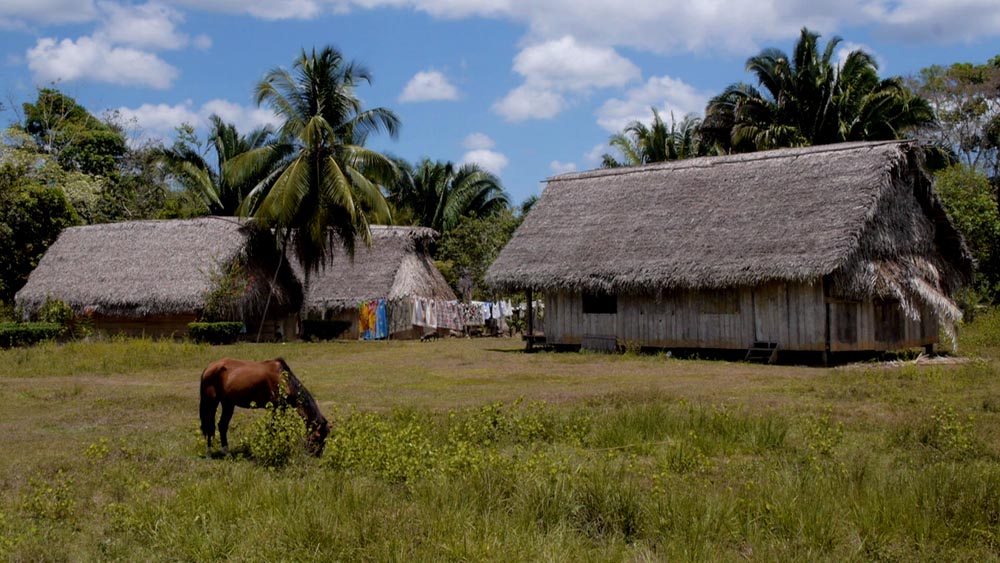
102,460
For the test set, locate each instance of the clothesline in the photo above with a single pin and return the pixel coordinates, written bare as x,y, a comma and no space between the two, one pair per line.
379,318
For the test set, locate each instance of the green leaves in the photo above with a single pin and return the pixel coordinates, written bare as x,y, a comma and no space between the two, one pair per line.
325,181
810,99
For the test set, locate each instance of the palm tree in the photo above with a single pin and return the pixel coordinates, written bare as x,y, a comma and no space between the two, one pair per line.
326,184
641,144
211,185
809,99
439,194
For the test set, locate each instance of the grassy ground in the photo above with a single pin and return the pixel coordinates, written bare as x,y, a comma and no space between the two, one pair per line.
472,450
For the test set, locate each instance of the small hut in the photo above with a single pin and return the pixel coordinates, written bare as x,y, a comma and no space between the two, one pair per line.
396,271
829,249
154,277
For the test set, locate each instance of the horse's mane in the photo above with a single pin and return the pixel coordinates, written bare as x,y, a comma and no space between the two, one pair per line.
305,400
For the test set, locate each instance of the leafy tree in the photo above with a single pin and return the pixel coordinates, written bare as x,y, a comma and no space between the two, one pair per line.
32,215
641,144
966,99
186,164
472,245
808,99
79,141
83,191
439,194
971,201
328,184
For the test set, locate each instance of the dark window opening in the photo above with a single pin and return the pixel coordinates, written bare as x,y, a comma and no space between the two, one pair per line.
719,302
847,322
600,304
888,321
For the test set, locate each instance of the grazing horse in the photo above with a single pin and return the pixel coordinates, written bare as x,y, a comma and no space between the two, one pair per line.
238,383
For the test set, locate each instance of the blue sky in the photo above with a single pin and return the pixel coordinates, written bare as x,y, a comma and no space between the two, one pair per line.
526,88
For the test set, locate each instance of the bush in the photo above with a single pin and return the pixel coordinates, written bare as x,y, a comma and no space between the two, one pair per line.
26,334
276,438
323,330
215,333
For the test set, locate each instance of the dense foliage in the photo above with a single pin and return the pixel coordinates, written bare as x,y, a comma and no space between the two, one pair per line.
971,201
223,332
329,184
808,98
31,217
27,334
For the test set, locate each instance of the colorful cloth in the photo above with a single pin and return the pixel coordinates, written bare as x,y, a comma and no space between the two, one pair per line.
372,320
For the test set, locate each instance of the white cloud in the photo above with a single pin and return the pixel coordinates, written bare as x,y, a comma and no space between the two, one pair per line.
554,68
668,95
558,167
527,102
478,141
91,59
933,20
847,47
245,118
428,86
595,155
565,64
47,12
492,161
158,121
149,26
271,9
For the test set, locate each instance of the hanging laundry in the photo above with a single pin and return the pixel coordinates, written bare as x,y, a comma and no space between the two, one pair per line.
381,320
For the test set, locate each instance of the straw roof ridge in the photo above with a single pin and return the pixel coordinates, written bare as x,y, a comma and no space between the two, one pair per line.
784,215
396,265
731,159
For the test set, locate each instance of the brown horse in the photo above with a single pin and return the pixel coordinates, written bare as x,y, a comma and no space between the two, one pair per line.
238,383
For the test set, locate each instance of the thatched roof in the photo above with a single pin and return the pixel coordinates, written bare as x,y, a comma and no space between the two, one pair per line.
397,265
863,211
143,268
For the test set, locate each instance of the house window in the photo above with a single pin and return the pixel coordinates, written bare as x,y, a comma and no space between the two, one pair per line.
847,322
888,321
600,304
719,302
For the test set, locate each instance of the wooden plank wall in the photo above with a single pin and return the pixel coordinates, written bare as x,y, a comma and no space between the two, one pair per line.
793,315
863,318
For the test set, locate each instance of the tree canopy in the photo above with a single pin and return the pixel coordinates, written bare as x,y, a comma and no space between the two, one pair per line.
809,98
641,144
329,182
439,194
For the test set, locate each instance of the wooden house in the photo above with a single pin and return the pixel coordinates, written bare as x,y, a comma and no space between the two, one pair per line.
396,268
826,249
154,277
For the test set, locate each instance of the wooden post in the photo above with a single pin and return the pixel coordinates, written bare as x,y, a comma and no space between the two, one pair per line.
530,330
827,354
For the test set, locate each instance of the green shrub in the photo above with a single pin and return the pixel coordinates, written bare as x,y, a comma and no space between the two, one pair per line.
215,333
55,311
26,334
276,438
323,330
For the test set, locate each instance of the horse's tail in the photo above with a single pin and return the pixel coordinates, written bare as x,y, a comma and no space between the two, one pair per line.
209,403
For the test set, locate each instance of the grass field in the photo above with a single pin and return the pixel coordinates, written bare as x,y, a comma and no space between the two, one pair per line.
469,450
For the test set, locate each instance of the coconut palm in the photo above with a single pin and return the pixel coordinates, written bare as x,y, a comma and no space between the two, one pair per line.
810,99
186,165
641,144
439,194
326,186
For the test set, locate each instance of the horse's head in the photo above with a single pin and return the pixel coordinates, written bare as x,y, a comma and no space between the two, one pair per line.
317,438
